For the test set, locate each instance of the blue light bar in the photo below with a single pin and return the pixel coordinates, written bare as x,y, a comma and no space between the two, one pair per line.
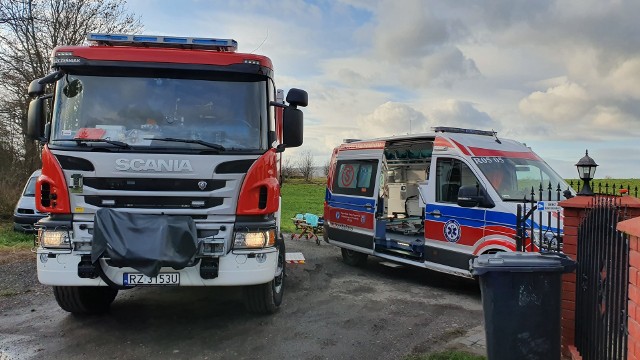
228,45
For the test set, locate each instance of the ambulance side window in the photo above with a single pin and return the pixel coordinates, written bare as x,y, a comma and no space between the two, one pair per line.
355,177
451,174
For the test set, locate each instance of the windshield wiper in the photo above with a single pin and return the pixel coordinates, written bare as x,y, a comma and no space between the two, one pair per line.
119,144
191,141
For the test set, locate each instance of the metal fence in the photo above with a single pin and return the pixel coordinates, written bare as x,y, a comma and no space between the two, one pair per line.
602,282
606,188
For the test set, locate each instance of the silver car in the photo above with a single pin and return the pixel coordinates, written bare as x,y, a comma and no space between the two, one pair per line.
25,213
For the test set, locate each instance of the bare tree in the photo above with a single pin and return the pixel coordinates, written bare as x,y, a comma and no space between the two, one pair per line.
305,165
29,30
326,167
287,169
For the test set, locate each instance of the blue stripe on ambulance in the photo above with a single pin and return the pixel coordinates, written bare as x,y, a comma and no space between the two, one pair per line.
347,202
469,216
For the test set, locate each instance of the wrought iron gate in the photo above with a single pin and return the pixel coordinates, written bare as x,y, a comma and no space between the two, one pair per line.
602,282
539,230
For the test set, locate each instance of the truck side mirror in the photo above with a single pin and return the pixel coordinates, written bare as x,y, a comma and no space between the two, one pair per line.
474,195
292,127
35,118
297,97
35,88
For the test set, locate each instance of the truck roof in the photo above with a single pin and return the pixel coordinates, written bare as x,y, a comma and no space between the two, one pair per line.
161,55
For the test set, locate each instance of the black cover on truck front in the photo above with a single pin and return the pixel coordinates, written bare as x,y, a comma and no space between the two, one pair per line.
144,242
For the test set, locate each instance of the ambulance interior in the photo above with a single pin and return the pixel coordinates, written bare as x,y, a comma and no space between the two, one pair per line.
404,183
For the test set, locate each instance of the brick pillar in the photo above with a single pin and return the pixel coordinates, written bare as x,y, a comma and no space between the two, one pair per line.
632,228
574,210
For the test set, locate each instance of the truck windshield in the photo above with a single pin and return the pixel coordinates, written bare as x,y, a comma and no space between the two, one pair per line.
513,178
133,111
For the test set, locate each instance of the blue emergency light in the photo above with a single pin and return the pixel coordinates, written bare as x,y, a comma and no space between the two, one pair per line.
228,45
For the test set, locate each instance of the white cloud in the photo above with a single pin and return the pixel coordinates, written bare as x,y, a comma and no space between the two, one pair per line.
393,118
462,114
559,104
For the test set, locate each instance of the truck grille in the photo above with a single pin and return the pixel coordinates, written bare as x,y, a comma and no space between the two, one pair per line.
156,202
137,184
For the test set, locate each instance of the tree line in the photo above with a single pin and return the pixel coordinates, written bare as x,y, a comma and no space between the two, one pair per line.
303,166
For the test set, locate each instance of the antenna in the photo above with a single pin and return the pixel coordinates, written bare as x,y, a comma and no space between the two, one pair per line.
495,136
262,43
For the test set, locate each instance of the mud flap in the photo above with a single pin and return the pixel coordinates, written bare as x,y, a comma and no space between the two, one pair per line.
144,242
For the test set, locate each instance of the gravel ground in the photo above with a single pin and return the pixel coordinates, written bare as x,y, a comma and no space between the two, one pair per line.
330,311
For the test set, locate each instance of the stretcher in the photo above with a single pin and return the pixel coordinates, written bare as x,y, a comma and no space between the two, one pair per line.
307,226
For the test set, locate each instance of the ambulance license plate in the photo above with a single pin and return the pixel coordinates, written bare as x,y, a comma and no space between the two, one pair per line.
162,279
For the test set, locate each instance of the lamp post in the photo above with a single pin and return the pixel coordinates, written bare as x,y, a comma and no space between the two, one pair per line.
586,170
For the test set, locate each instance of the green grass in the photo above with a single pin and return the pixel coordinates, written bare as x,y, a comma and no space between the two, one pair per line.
14,239
446,355
299,197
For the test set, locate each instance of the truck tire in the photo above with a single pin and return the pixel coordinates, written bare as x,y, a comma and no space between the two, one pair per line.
84,299
353,258
266,298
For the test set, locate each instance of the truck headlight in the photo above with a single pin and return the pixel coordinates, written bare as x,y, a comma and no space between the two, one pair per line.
54,239
254,239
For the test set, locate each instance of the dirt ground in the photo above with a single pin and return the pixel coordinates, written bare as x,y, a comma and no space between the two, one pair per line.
330,311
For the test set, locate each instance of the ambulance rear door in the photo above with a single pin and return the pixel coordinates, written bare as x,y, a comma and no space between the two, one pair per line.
352,197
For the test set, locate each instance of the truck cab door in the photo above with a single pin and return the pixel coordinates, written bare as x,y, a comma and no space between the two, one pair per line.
351,202
451,231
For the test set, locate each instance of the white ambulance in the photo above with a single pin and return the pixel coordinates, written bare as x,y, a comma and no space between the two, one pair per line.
438,200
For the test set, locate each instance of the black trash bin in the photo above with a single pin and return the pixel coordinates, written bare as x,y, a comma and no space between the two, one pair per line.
521,295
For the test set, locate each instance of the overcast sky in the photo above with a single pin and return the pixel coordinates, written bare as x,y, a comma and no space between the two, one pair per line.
560,76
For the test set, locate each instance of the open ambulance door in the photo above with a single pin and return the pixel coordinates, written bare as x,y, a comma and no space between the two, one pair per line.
451,230
352,199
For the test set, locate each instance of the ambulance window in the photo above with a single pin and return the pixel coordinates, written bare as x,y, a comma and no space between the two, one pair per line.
451,174
355,177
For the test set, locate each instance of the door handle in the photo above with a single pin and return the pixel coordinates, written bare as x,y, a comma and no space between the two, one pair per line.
435,213
366,206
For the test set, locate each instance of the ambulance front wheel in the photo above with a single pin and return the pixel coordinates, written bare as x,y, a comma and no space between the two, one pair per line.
353,258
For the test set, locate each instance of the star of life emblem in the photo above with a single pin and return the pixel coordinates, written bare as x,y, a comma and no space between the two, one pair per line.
452,231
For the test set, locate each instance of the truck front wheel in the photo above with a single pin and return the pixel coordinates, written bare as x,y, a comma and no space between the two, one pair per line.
353,258
84,299
266,298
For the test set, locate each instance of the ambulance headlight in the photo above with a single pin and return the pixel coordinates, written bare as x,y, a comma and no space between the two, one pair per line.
548,239
536,238
57,239
254,239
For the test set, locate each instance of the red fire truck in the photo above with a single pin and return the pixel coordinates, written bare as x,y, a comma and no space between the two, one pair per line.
160,166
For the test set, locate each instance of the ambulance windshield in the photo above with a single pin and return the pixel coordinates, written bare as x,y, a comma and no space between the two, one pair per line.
133,111
513,178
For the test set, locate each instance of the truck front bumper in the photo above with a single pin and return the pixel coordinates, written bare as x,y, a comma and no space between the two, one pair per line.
234,268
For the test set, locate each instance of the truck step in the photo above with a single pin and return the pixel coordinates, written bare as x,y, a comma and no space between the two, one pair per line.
391,264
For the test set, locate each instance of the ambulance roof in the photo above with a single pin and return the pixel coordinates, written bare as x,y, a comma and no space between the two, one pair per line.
469,142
